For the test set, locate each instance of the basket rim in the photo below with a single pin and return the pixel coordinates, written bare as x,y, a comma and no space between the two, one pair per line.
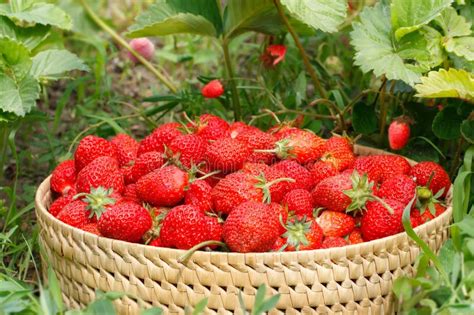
41,209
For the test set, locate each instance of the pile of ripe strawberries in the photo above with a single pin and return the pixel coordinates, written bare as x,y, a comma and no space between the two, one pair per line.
209,181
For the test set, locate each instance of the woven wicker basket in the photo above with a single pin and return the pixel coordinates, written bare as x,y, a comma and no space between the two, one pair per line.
355,279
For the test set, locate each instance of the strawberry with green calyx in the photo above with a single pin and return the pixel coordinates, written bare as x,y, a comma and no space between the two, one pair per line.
426,201
126,221
273,185
303,234
344,192
98,200
296,144
335,223
431,175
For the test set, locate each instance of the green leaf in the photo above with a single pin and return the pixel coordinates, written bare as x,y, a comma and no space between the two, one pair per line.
199,308
325,15
409,15
53,63
152,311
467,130
453,24
167,17
38,13
100,307
242,16
377,51
29,36
461,46
447,123
15,57
433,44
55,289
364,119
451,83
18,98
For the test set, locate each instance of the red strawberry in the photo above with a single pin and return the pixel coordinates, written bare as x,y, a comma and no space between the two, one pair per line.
213,89
282,214
303,234
422,172
238,127
163,187
92,228
75,214
382,167
277,184
205,169
282,128
90,148
126,148
333,241
299,145
329,193
301,175
156,242
300,202
102,172
159,138
273,55
233,190
126,221
145,164
210,127
400,187
398,134
320,170
130,193
188,149
378,222
280,244
257,139
251,227
143,46
227,155
355,237
338,152
63,178
255,168
416,218
336,223
199,195
186,226
59,204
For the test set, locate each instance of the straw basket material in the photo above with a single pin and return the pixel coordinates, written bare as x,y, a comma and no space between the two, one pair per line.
355,279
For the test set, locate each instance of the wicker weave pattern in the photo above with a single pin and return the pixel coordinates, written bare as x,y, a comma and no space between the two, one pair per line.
355,279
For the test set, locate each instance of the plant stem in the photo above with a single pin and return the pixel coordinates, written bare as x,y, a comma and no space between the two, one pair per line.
3,148
124,44
230,76
383,108
457,157
332,107
307,63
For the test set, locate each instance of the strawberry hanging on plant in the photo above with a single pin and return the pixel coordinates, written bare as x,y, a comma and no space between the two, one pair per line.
399,133
213,89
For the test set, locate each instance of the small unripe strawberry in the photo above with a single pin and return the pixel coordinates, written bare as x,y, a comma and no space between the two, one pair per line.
144,47
213,89
398,134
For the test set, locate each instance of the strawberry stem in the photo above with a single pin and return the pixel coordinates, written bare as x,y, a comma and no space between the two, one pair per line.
186,256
